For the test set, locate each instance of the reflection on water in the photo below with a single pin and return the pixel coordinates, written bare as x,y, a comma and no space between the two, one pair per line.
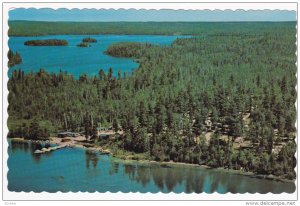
143,175
114,169
25,147
77,169
200,180
22,146
166,179
91,159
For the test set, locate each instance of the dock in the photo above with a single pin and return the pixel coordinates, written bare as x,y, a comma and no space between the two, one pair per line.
44,150
91,149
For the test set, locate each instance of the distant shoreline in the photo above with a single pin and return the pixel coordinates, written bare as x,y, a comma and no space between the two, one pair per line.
108,34
41,28
169,164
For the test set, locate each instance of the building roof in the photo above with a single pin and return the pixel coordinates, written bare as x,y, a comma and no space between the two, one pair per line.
101,128
104,135
67,133
64,132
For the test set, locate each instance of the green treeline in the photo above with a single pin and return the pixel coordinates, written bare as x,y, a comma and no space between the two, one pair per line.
46,42
189,102
128,49
37,28
32,131
13,58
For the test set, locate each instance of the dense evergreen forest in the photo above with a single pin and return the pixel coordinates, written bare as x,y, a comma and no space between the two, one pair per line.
223,99
13,58
40,28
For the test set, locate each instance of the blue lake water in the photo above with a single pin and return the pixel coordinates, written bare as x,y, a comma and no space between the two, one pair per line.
78,60
79,170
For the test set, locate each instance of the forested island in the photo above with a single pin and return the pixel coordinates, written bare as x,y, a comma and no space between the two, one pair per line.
89,40
83,44
86,42
14,58
46,42
225,100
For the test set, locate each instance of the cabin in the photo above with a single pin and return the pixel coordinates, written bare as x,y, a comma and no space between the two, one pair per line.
67,134
101,130
63,134
104,133
104,136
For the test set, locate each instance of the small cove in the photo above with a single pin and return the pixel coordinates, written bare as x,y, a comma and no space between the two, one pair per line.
78,170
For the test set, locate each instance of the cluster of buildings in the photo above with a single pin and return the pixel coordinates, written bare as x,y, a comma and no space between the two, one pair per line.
102,133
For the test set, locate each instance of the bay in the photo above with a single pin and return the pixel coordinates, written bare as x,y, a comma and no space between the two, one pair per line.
78,170
78,60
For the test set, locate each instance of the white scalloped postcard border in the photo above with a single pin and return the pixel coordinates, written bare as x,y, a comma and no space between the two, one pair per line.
7,195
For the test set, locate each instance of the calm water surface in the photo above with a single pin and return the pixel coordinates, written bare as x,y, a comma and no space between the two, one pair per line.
77,60
78,170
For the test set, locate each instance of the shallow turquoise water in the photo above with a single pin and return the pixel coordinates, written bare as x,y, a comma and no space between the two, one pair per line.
76,170
77,60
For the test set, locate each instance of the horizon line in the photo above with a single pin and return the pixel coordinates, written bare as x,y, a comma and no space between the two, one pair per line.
66,21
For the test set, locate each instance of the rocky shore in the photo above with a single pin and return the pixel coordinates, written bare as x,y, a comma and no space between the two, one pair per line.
75,142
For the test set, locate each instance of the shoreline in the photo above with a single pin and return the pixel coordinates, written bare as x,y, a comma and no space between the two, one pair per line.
63,144
170,164
98,34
